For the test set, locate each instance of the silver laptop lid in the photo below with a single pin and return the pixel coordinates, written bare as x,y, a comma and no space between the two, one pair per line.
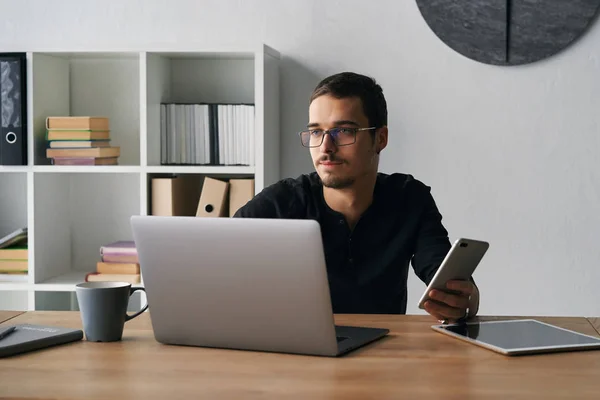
255,284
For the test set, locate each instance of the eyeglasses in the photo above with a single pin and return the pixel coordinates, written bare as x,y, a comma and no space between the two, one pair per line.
340,136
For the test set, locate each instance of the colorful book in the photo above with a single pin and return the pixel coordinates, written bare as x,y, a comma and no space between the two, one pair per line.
60,134
78,144
14,253
12,266
97,277
90,152
104,267
93,123
122,251
85,161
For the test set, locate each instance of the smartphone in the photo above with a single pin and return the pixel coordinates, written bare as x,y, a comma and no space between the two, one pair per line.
459,264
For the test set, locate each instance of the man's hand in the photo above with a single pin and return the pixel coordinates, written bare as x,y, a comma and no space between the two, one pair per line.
449,306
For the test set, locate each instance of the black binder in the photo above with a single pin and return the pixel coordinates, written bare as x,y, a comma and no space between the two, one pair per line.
13,109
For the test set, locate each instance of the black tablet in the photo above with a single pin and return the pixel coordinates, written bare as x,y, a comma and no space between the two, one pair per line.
517,337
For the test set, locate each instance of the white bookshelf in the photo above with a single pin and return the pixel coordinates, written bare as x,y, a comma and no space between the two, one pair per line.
72,210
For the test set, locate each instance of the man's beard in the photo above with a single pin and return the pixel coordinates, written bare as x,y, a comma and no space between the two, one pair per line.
334,182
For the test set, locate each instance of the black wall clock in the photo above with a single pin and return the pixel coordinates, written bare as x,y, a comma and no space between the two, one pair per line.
508,32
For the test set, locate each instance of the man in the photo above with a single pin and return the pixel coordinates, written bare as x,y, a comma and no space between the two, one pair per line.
373,224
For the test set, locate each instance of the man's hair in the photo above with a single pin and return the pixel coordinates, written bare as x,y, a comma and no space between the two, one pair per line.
350,84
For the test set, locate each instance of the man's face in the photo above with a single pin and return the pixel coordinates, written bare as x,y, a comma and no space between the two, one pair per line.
341,166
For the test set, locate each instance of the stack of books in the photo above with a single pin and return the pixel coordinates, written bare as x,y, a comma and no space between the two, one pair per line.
80,141
118,263
14,256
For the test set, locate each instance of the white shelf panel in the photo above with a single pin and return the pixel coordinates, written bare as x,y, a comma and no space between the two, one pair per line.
62,283
171,50
233,54
91,54
205,170
87,169
14,168
14,286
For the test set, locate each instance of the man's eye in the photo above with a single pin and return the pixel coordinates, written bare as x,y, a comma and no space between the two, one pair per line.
345,131
316,132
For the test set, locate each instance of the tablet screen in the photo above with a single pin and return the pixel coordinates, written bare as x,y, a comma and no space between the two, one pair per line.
520,334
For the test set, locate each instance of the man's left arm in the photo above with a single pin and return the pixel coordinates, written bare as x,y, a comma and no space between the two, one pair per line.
431,246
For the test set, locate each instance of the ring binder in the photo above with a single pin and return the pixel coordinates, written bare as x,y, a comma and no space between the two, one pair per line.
13,109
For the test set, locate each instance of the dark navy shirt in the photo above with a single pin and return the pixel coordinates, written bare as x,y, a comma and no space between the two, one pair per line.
368,266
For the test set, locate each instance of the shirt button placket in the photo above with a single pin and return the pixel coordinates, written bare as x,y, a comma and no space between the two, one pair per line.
350,259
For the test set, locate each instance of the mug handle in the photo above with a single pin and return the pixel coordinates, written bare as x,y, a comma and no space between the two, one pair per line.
131,291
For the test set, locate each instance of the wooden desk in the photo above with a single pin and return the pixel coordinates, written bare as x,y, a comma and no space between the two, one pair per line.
595,323
414,362
6,315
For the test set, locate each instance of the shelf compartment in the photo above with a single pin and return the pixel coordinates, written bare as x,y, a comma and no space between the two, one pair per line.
88,84
180,194
195,78
13,202
75,214
13,216
14,300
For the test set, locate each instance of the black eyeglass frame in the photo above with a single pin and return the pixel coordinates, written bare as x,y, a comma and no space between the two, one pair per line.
333,135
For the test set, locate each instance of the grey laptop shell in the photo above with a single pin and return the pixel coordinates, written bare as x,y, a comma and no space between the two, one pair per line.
253,284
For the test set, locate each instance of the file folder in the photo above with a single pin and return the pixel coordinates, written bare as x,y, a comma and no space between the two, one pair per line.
241,191
175,195
213,198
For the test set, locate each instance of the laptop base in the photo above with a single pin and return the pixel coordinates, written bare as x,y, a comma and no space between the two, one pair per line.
352,337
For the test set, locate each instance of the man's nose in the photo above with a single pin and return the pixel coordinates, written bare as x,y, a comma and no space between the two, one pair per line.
328,145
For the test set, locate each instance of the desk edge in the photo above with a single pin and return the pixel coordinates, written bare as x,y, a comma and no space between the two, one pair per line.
593,326
14,316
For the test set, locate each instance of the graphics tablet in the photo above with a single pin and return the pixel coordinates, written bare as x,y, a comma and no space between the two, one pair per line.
517,337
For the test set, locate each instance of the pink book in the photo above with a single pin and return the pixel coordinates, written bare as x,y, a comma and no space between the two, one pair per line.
121,251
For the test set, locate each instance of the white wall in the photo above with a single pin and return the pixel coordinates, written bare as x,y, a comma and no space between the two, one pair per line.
510,152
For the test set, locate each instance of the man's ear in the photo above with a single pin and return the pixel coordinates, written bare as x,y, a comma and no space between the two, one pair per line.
381,139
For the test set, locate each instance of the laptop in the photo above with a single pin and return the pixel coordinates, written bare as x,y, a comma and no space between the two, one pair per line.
241,283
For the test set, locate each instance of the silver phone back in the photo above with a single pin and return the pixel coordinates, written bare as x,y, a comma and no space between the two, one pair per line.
460,263
239,283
